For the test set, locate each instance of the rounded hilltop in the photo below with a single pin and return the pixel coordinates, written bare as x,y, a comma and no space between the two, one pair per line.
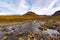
30,13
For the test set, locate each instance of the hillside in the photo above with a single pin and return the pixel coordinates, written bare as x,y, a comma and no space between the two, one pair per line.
27,16
57,13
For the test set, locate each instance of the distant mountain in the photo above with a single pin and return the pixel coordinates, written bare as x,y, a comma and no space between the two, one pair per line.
57,13
30,14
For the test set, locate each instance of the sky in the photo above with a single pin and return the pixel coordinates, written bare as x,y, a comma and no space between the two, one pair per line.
20,7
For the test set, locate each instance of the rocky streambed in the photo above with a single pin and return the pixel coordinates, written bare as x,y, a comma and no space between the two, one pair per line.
14,32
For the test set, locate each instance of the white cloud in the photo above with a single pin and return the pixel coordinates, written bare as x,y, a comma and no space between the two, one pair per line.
21,9
8,6
40,7
52,4
4,13
23,4
46,9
